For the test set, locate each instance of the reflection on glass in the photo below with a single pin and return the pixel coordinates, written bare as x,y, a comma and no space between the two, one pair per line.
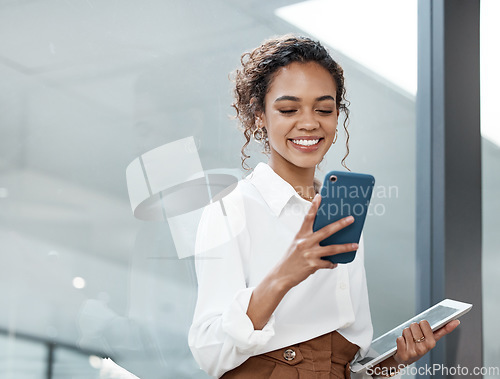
87,87
21,359
71,364
382,128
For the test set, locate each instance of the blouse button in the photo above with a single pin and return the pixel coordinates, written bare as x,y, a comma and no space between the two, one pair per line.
289,354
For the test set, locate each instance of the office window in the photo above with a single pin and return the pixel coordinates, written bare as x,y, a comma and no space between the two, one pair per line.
87,87
20,359
490,131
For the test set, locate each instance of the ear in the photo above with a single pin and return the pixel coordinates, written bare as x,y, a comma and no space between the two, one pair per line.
259,114
259,118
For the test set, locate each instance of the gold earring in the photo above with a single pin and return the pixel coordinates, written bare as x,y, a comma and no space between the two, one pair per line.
336,135
258,137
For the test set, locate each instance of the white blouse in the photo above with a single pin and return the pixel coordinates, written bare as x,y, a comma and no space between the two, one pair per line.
240,238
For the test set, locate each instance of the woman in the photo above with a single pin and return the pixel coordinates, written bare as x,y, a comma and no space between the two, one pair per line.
268,305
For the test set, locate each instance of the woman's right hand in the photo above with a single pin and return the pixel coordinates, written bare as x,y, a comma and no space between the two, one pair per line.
303,257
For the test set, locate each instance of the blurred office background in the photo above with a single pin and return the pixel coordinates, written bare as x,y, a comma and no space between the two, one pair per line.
88,86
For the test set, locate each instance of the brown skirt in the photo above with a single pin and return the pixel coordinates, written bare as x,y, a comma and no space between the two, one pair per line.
323,357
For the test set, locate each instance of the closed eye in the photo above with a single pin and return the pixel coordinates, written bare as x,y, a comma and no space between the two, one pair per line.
325,111
287,111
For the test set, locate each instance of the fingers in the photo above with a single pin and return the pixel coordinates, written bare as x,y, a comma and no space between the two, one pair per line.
314,256
419,339
404,348
417,334
410,344
308,242
401,347
448,328
325,251
326,231
308,222
332,228
326,264
430,340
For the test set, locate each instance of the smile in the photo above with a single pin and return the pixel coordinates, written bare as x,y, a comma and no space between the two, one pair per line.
306,145
306,142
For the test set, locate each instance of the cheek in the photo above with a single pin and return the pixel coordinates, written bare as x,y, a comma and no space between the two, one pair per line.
335,124
275,127
332,125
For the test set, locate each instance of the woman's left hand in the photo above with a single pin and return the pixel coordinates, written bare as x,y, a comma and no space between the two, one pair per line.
418,339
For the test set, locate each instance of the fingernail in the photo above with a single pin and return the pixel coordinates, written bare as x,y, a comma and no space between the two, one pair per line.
350,219
355,245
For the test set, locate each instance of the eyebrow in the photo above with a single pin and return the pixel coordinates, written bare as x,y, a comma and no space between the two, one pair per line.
293,98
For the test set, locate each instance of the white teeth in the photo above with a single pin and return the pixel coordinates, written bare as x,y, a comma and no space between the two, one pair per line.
305,142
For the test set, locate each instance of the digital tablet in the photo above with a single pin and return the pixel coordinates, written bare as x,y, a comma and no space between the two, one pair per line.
344,194
385,346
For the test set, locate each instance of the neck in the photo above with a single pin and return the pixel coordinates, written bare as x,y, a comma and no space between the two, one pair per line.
300,178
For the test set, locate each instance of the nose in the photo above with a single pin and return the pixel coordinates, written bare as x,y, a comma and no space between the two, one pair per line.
307,121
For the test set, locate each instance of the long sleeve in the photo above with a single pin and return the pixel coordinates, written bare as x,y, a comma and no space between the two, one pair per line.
222,336
239,240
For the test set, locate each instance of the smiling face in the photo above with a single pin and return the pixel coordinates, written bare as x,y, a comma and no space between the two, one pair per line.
300,116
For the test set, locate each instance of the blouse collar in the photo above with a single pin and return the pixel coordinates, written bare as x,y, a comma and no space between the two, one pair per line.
276,191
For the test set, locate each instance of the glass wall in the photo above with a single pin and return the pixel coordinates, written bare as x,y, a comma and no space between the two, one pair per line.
22,359
89,87
490,131
381,86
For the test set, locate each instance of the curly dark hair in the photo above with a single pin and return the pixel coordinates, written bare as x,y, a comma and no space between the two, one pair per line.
255,76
